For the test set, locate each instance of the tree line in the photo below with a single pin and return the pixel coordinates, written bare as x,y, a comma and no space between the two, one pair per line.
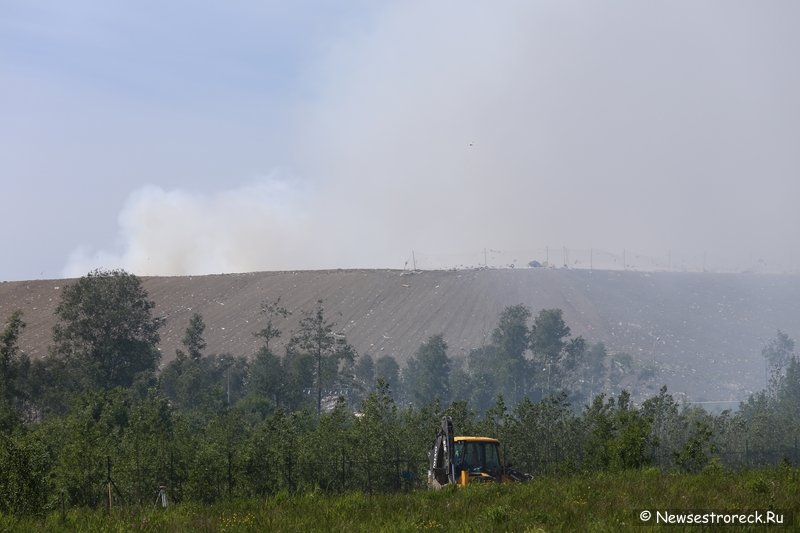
320,416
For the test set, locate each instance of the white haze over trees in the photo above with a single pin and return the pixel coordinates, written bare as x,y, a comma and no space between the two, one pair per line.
271,137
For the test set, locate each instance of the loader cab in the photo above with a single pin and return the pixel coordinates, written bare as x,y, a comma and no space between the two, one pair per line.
477,459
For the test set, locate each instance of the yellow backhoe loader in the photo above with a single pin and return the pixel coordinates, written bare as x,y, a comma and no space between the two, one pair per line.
461,460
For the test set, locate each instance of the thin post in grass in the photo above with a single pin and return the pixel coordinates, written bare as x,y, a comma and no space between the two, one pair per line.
110,485
230,473
369,477
108,481
289,480
343,472
746,454
171,472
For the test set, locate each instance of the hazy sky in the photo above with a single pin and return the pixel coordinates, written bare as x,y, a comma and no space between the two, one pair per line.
203,137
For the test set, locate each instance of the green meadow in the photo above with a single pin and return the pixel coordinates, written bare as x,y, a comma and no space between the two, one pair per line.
598,502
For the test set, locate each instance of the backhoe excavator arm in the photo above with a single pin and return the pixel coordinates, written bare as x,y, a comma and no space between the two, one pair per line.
442,468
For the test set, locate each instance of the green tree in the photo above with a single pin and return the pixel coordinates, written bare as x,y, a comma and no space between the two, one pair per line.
788,395
632,446
14,369
23,483
315,338
540,437
267,374
548,340
501,366
663,412
619,436
85,438
193,339
511,337
574,370
146,457
9,349
360,377
185,380
777,354
548,334
387,369
771,416
427,376
365,371
512,334
461,383
273,311
377,433
51,387
787,406
227,375
698,445
212,463
106,330
595,369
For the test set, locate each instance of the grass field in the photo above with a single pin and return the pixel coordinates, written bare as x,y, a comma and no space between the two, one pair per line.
598,502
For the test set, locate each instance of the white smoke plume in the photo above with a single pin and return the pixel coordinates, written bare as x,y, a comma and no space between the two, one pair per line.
255,227
450,127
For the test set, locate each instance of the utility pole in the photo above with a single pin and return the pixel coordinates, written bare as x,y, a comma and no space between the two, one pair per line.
485,261
319,382
414,260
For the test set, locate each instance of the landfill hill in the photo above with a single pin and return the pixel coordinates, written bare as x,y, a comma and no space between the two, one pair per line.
703,331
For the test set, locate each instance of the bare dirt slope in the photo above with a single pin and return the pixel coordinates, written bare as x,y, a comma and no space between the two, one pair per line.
704,331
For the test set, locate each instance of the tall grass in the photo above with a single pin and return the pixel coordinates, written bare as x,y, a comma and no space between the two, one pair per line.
598,502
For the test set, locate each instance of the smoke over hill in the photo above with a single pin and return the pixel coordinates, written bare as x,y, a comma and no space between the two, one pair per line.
448,128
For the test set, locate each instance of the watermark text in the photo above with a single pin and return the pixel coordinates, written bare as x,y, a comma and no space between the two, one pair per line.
726,518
